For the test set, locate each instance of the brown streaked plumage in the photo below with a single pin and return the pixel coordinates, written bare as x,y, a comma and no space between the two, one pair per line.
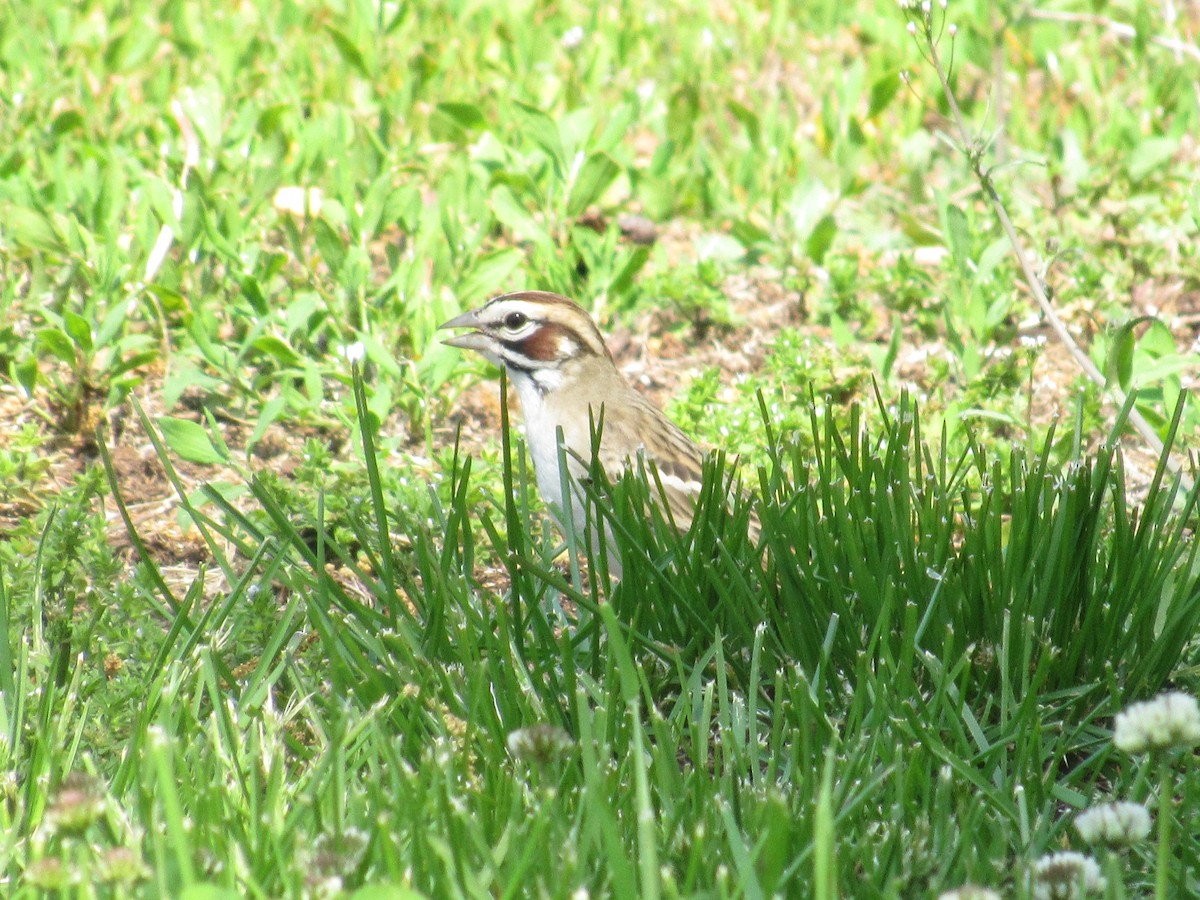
566,379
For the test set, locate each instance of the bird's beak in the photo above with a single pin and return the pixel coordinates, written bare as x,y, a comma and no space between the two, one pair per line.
473,340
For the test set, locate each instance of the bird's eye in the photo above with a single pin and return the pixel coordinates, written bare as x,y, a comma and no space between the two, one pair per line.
515,320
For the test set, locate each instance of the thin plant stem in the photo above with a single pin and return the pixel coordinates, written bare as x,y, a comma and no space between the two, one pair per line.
1163,867
1165,814
974,153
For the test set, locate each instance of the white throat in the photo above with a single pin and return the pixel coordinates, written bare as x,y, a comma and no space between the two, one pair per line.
543,414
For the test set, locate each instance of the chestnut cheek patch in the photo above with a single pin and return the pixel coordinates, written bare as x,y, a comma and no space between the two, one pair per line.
546,344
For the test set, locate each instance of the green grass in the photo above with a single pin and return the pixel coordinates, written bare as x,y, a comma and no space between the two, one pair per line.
346,657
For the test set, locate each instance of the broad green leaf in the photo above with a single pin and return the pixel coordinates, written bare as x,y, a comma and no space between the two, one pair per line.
749,120
330,243
69,120
543,132
856,135
1165,368
776,841
883,91
513,216
595,176
1143,28
682,113
383,355
133,362
278,349
575,129
1157,340
749,234
349,51
214,232
271,118
622,281
271,412
1119,364
466,116
162,200
79,330
958,235
56,341
1151,154
110,326
184,375
190,441
811,201
204,103
719,247
254,294
617,125
1072,156
208,892
893,349
387,892
31,228
453,122
172,301
26,373
821,238
489,275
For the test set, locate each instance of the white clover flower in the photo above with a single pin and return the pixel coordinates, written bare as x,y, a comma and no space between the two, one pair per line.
1114,825
572,37
1169,720
539,744
298,201
352,353
1059,876
969,892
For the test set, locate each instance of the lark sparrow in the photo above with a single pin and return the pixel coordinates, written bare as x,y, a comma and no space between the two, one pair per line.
565,378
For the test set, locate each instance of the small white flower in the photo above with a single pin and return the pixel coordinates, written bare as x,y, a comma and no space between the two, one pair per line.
912,28
1169,720
1059,876
1114,824
572,37
953,29
969,892
540,744
352,353
298,201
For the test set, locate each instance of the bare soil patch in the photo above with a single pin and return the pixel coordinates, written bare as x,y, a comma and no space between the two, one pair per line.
658,352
